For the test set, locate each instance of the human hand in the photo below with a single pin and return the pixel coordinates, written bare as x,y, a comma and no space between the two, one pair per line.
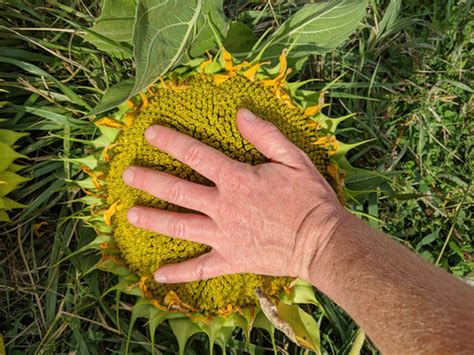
269,219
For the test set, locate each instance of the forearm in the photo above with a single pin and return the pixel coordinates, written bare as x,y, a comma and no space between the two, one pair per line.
403,303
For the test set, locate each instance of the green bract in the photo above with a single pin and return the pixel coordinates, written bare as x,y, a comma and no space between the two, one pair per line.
9,179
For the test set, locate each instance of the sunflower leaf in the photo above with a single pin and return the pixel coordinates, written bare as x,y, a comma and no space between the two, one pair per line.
162,31
211,18
304,327
316,28
114,96
112,30
240,38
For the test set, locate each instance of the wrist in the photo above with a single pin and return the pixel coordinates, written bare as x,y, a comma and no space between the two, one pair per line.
313,237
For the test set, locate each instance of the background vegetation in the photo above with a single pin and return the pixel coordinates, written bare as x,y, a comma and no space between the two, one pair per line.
406,73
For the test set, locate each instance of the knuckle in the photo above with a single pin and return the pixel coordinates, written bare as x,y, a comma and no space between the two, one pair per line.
192,154
163,140
175,191
200,271
177,227
144,219
143,180
233,177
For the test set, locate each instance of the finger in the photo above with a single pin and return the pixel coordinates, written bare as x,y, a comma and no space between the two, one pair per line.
268,139
188,226
201,268
170,188
205,160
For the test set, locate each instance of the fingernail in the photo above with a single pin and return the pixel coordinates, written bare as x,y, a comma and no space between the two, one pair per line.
128,176
160,278
132,215
248,115
151,133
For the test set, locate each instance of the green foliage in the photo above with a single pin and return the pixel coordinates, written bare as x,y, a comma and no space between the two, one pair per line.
160,37
165,33
240,38
303,325
211,22
114,96
9,180
315,28
408,80
112,31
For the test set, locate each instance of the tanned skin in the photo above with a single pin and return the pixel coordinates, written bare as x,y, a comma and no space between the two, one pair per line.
282,218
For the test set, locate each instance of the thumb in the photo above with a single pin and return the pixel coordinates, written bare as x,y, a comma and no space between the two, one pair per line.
201,268
266,137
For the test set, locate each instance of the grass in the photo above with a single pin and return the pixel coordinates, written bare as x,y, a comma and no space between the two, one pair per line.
406,73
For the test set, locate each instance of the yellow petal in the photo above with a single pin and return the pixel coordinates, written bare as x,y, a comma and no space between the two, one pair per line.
321,141
95,176
144,100
220,78
204,64
252,71
314,124
109,122
283,62
106,151
142,286
242,65
228,65
158,305
312,110
129,117
109,213
37,227
174,303
226,311
338,177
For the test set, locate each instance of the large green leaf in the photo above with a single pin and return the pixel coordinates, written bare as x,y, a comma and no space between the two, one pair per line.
162,32
114,25
315,28
211,19
240,38
114,96
304,327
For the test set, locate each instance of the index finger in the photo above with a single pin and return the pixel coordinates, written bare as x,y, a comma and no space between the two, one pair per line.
205,160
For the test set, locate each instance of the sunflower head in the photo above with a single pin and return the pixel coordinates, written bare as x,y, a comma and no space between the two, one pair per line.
200,101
